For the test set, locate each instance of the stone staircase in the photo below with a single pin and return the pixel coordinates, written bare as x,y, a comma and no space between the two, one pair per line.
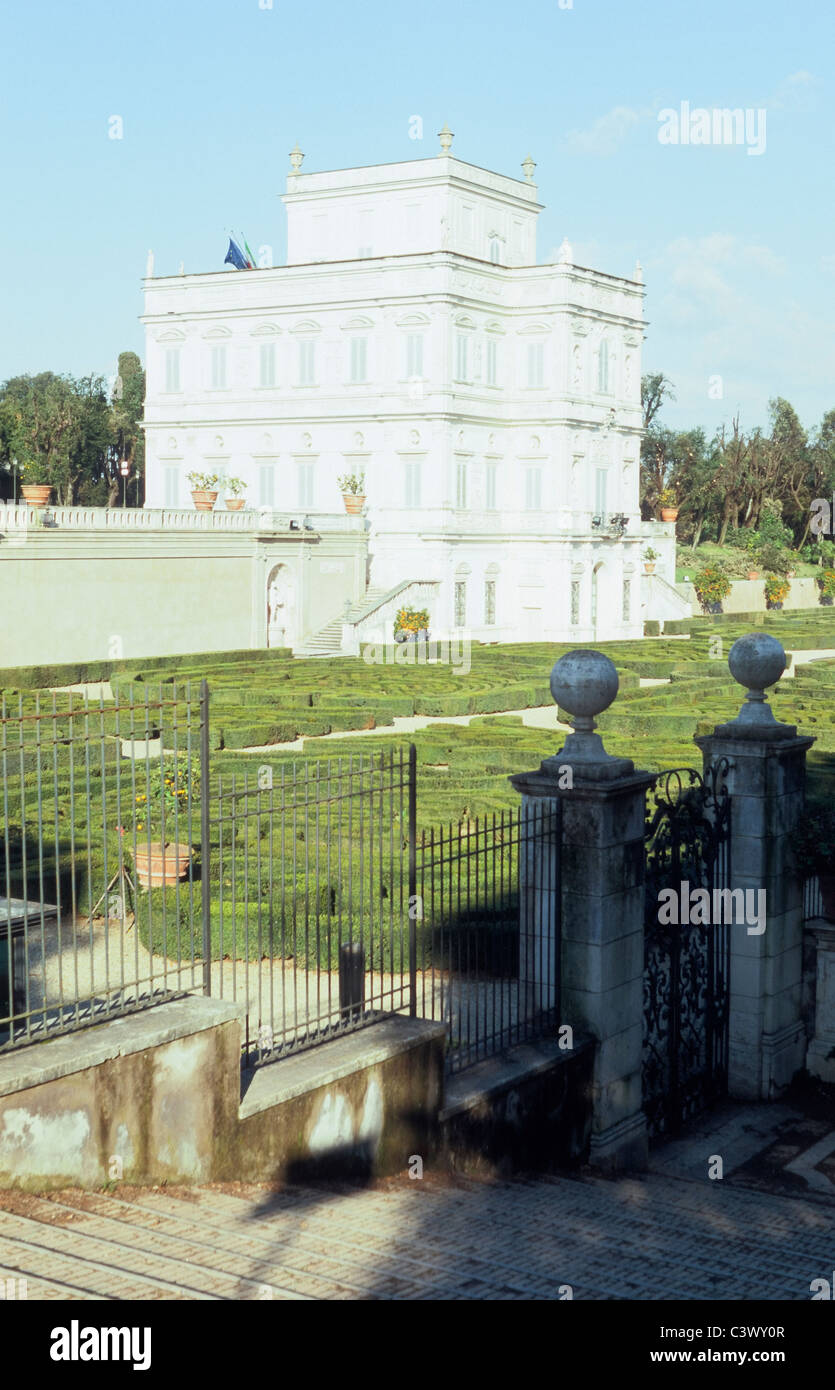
328,640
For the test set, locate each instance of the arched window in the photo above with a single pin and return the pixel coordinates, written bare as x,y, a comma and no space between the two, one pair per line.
495,250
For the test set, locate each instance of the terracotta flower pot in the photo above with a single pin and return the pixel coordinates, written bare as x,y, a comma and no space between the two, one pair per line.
649,567
235,504
204,498
753,574
354,502
826,882
669,513
36,494
158,864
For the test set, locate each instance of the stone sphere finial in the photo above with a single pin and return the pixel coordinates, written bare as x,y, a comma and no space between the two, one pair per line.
585,683
757,661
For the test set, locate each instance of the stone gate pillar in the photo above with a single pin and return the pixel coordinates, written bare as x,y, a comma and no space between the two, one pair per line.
766,781
595,857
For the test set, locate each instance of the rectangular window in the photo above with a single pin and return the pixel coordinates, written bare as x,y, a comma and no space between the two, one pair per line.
461,362
495,250
171,486
490,486
490,602
266,485
305,476
460,602
533,489
627,600
307,361
218,367
461,483
603,367
414,354
575,602
266,364
359,359
536,364
172,369
600,478
492,362
412,482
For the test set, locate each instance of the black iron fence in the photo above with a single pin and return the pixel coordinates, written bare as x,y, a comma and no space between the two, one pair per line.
812,900
100,855
687,845
311,928
130,874
488,893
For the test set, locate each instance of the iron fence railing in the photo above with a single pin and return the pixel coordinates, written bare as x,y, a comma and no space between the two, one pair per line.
311,882
132,874
97,916
812,900
489,896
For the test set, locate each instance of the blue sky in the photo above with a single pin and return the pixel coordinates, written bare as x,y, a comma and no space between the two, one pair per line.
737,249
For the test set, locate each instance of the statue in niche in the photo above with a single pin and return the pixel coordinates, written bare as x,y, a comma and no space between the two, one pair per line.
280,599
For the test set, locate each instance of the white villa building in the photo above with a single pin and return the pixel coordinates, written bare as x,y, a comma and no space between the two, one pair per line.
492,404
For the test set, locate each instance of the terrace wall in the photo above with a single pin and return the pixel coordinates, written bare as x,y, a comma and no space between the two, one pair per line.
748,595
74,590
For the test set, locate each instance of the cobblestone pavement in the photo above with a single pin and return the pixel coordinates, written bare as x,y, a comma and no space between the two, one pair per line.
670,1234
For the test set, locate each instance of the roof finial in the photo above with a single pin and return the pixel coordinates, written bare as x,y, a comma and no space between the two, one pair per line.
446,138
149,266
528,165
565,253
639,272
296,158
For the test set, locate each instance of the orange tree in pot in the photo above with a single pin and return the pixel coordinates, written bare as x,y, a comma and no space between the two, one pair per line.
167,804
352,486
204,490
712,585
669,505
35,482
235,494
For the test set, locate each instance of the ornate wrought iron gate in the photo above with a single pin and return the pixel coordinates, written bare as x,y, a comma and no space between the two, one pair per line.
686,962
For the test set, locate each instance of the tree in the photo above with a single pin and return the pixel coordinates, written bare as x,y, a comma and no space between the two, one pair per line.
656,461
61,431
128,406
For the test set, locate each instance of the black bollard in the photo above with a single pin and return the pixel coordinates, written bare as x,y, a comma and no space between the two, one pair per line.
351,979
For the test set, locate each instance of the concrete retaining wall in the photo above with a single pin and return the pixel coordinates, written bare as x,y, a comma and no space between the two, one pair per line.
748,596
91,595
157,1097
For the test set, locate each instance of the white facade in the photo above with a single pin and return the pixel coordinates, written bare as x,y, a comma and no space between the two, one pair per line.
493,404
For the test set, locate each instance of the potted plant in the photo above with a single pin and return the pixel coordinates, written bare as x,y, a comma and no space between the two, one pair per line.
163,807
776,587
411,623
36,490
813,841
235,493
669,505
711,586
351,486
650,557
752,574
826,584
203,490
